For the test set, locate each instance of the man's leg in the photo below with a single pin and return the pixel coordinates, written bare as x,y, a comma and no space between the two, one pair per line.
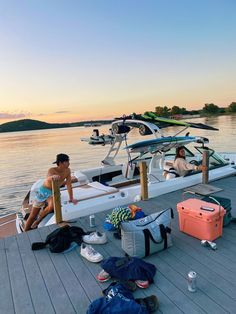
33,214
44,213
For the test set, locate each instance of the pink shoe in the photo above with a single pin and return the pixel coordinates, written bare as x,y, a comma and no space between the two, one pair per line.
143,284
103,276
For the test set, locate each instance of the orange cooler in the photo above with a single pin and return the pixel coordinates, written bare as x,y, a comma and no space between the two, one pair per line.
201,219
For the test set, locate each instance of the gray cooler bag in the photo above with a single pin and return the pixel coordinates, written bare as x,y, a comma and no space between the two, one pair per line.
147,235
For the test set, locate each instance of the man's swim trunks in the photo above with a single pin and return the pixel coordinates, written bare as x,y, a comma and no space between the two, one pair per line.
41,195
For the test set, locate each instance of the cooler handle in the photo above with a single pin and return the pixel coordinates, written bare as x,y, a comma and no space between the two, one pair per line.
217,202
189,192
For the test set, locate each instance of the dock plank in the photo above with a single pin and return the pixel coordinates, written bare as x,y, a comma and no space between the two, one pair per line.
207,297
19,285
6,298
69,279
34,277
54,285
208,280
45,282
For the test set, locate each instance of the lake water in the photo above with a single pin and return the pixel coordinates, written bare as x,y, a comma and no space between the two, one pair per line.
26,156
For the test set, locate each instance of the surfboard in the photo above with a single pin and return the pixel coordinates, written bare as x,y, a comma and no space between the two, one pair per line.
163,143
161,122
164,122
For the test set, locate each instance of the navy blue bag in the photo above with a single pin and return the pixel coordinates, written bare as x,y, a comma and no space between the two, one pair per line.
129,268
118,300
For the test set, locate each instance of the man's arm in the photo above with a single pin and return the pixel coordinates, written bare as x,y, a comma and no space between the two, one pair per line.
69,189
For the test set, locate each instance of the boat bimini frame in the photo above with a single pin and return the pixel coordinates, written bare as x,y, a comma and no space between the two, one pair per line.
120,129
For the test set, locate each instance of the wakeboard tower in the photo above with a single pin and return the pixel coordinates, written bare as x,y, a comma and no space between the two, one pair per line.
147,123
150,124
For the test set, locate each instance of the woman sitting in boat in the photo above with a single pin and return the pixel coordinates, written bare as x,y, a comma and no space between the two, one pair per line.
181,166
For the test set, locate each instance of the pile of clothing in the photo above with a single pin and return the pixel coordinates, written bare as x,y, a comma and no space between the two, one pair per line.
118,297
120,214
128,268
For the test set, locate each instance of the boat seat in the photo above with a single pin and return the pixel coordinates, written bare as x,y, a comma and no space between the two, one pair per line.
81,177
126,175
155,171
128,170
168,164
169,171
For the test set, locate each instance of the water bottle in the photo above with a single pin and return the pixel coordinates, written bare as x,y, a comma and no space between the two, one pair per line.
92,221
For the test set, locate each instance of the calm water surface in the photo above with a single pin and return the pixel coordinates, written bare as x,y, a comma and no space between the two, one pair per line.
26,156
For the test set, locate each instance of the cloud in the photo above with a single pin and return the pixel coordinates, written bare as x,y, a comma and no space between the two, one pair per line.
62,111
6,115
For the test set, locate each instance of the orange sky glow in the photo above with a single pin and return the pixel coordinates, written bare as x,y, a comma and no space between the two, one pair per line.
75,62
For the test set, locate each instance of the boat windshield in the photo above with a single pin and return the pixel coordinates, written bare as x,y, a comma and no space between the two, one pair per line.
170,153
215,160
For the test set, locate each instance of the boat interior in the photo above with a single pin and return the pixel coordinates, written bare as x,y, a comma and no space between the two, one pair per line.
128,173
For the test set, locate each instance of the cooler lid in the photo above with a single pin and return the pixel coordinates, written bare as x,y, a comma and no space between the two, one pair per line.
201,209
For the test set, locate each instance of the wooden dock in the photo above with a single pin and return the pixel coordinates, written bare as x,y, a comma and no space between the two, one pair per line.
8,225
43,282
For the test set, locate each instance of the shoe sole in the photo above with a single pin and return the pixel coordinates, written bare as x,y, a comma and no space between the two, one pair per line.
92,261
91,242
142,286
104,279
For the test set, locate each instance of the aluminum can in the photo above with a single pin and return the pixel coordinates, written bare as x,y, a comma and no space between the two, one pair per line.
92,221
192,278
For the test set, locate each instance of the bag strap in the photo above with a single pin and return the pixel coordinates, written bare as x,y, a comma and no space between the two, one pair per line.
163,235
171,214
148,236
147,241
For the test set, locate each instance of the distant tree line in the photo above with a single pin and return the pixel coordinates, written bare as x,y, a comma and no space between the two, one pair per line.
207,109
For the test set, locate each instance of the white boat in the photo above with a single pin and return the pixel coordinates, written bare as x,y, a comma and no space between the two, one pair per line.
97,139
114,184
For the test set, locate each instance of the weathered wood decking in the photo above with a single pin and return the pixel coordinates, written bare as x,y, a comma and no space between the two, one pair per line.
42,282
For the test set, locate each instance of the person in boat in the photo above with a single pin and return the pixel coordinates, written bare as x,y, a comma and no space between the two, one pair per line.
43,195
181,166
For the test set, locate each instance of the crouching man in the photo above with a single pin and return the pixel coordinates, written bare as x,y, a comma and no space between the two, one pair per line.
43,194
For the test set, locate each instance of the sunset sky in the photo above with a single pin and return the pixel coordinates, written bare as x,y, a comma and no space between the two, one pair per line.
73,60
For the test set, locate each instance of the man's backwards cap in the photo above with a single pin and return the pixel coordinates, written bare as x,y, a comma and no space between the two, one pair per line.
61,158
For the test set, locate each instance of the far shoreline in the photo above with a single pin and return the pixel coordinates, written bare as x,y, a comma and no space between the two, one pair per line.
36,125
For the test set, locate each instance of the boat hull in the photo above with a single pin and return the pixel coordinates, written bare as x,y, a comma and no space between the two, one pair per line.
130,194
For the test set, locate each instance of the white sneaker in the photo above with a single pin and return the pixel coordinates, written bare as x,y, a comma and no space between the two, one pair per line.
95,238
90,254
